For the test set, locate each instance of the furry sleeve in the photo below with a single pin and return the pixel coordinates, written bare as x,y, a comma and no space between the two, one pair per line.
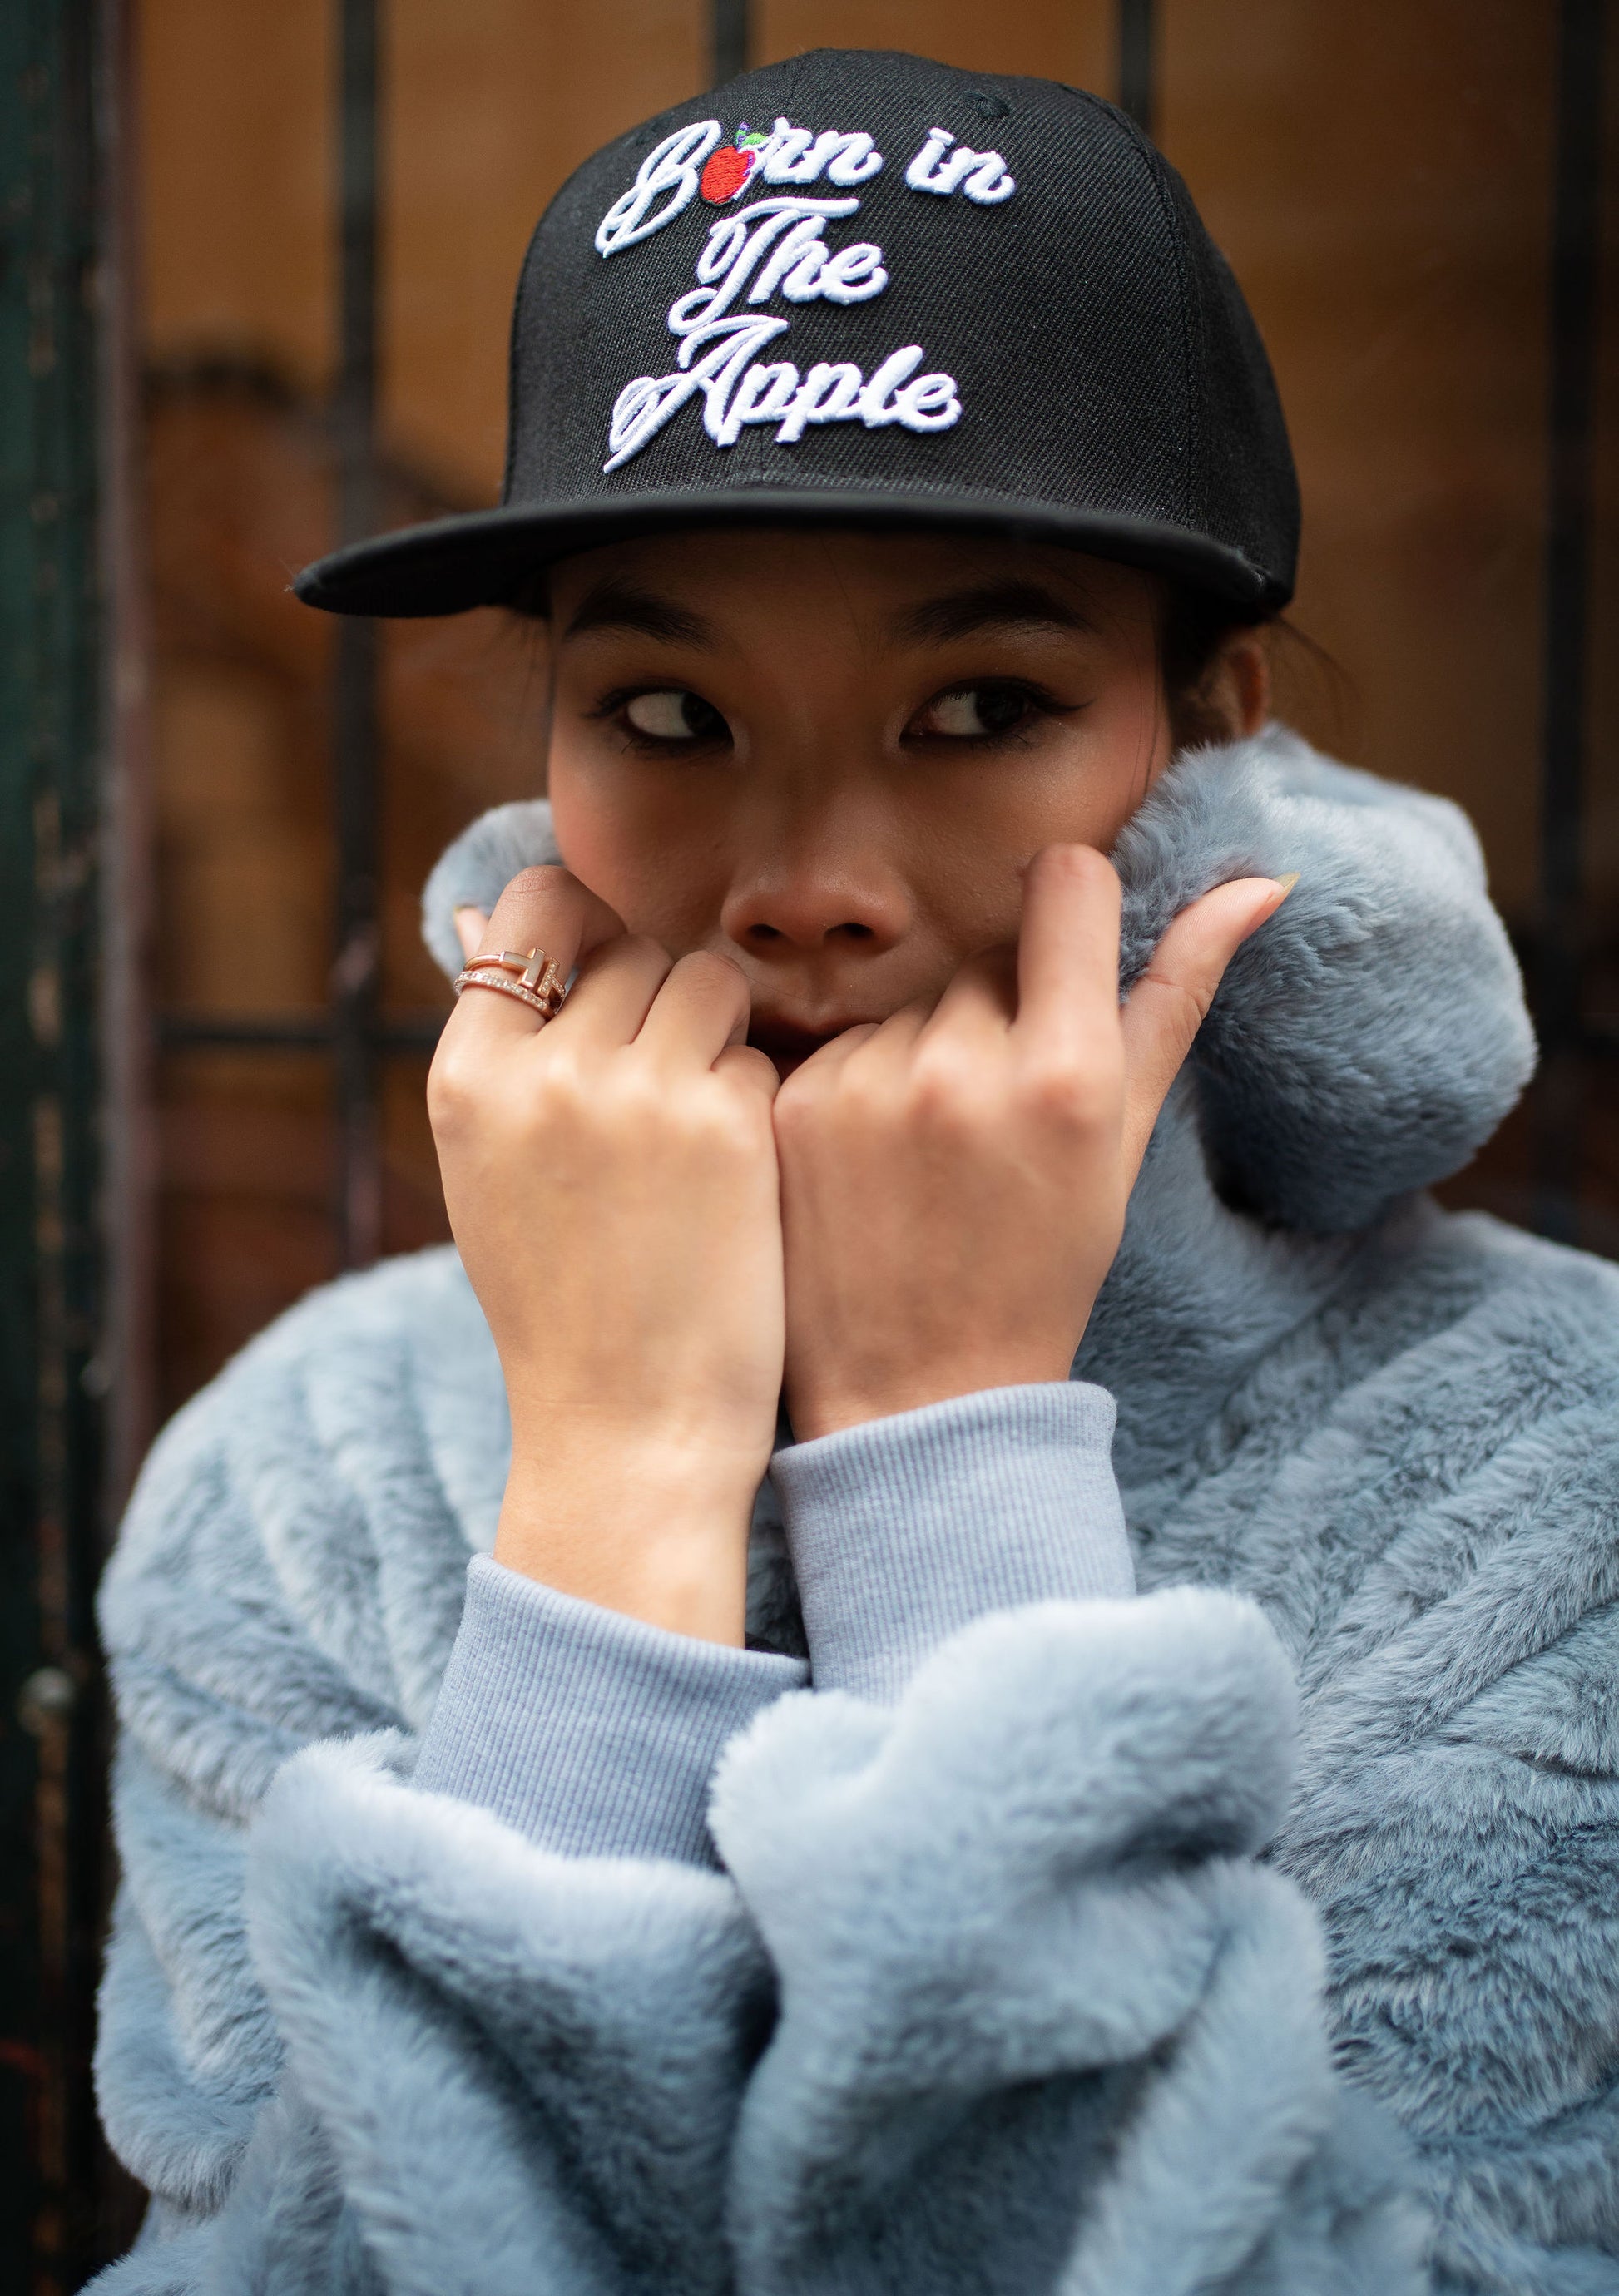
356,2037
1046,2025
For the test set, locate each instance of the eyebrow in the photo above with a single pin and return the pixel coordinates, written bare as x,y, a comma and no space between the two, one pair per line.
618,605
994,606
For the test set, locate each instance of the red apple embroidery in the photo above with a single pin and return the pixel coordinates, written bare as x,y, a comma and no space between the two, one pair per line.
726,173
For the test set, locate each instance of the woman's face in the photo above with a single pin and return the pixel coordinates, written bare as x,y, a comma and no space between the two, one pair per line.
831,757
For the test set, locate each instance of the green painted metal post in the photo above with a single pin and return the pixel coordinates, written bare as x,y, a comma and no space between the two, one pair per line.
52,722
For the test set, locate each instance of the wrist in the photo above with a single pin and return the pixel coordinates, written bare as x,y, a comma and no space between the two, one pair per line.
654,1528
817,1407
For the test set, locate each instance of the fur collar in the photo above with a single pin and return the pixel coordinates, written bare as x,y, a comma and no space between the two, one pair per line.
1365,1044
1362,1046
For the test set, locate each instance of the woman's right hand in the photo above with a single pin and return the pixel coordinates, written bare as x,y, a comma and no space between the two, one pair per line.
611,1180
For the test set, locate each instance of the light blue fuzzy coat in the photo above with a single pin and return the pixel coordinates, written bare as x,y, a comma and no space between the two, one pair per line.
1259,1934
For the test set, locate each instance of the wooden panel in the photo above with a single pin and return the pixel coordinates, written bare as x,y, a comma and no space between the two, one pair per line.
236,131
1380,180
487,114
1070,40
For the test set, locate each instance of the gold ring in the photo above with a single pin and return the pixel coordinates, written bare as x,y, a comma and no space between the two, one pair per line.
534,979
532,967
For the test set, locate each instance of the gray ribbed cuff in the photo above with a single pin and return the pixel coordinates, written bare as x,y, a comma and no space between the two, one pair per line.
590,1733
903,1529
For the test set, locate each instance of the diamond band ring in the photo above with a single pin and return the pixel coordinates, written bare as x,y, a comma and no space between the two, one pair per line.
533,978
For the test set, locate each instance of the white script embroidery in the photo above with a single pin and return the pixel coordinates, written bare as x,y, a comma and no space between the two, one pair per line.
777,247
983,176
738,393
797,155
800,264
673,167
789,155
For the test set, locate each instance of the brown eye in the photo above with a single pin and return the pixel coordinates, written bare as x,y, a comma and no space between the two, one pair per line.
974,712
673,714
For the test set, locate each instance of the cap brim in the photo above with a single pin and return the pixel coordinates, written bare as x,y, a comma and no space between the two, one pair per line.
486,558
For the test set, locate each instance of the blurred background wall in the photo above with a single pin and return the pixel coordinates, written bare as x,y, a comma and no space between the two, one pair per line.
1382,178
306,223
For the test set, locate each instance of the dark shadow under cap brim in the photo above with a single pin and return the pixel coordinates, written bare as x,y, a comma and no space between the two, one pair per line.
487,558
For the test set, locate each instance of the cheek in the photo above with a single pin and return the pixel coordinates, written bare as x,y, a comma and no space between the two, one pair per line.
1098,771
639,853
1081,791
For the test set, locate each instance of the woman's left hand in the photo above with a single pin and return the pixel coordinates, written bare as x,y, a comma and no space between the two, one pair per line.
954,1180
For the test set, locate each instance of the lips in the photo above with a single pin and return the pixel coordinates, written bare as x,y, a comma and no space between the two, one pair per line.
788,1045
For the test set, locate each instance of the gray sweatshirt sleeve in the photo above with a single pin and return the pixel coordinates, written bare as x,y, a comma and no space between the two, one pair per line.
589,1732
904,1529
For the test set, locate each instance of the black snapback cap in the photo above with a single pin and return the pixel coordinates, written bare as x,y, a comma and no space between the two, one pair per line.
866,289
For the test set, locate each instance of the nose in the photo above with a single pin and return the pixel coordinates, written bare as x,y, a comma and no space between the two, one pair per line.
810,897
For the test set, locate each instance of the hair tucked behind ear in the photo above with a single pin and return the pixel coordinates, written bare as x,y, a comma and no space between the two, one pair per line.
1194,626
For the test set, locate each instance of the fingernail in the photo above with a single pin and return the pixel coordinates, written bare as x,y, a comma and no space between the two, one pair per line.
471,923
1288,884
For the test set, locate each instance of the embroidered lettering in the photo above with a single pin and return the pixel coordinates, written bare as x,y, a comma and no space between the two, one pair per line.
795,155
763,395
928,404
829,393
737,393
777,247
669,166
983,176
801,267
645,405
688,162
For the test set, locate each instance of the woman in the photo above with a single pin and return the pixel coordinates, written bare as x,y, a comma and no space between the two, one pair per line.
939,1843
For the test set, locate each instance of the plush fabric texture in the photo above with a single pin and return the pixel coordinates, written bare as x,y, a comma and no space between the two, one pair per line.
1259,1934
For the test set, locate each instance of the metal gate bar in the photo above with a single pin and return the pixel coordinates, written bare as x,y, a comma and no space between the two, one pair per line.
729,43
356,785
52,730
351,1029
1576,251
1136,60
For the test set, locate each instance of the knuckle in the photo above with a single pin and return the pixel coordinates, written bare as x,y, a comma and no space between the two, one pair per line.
864,1099
746,1112
1075,1089
711,974
1077,865
561,1090
709,1123
543,877
797,1111
793,1101
452,1095
946,1091
526,897
1187,1002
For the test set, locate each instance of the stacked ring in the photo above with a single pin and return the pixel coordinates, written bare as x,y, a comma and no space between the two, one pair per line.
538,982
